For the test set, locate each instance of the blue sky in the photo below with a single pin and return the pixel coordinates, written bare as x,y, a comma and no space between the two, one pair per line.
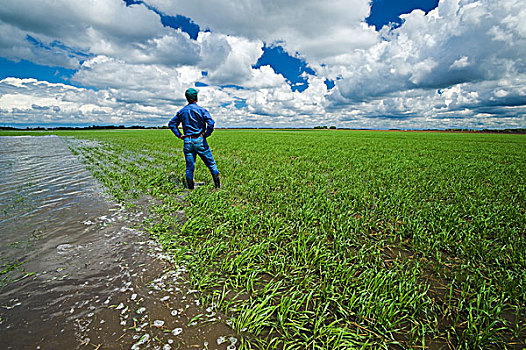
386,64
27,69
383,12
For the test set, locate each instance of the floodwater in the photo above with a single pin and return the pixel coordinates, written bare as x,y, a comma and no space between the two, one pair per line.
77,271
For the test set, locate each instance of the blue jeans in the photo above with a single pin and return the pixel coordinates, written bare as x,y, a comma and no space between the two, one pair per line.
192,148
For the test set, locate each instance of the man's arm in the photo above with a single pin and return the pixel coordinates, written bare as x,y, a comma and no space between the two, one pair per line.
174,125
209,123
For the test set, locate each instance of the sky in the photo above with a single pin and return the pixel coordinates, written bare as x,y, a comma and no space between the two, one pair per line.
380,64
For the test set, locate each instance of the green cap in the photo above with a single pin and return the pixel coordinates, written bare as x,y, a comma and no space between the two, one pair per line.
191,94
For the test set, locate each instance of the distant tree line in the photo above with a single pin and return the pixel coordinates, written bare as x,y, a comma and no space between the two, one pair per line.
325,127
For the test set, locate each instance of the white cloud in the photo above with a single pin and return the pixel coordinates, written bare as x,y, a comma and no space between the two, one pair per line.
29,101
319,31
462,62
14,45
107,72
237,67
215,49
96,27
75,21
461,65
265,77
454,48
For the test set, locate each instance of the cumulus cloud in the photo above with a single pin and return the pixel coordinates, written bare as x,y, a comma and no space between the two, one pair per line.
454,43
29,101
319,31
75,23
465,47
106,40
460,65
107,72
16,44
34,102
237,67
97,27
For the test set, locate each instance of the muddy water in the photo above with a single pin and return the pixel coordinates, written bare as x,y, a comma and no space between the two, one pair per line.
77,270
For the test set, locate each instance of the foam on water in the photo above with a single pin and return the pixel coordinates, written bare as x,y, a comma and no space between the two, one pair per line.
86,273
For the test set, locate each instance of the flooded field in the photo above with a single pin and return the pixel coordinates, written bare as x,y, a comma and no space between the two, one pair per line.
316,240
78,272
339,239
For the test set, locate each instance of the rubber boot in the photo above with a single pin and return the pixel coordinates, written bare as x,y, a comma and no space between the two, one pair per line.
217,183
189,184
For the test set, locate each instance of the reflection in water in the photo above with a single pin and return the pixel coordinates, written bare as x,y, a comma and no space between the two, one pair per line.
77,272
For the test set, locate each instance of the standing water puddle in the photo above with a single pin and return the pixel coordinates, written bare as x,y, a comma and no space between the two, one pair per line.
77,272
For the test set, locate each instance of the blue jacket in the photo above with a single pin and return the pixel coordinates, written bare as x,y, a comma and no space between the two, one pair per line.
195,120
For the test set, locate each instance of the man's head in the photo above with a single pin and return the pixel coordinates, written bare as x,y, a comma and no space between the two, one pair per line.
191,95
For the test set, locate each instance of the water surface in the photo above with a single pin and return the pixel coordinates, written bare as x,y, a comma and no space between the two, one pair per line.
83,274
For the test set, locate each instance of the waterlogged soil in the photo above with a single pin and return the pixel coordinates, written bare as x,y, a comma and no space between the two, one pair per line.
78,272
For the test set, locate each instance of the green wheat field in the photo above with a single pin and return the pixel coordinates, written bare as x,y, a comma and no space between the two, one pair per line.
339,239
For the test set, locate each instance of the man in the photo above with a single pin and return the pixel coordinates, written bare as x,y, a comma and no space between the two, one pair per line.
197,126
